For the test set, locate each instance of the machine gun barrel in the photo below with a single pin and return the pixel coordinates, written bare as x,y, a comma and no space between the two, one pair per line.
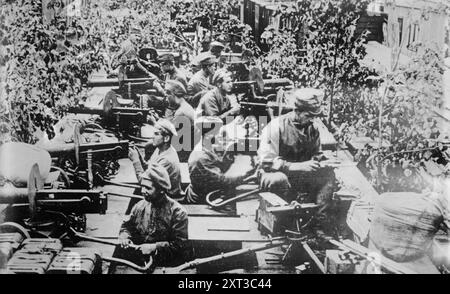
279,241
92,201
120,147
112,111
116,82
292,208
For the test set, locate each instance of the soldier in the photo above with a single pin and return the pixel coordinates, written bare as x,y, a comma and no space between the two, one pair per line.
181,114
178,107
200,81
169,70
157,224
164,154
289,150
128,57
216,101
209,162
216,48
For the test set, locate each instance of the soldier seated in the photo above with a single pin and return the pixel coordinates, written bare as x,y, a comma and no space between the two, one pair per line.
290,151
157,224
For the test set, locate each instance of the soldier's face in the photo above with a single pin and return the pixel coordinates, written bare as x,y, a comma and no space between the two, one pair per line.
167,67
216,51
303,117
148,190
159,138
173,100
227,85
212,68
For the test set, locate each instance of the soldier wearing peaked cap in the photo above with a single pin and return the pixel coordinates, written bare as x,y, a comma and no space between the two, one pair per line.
209,162
131,65
164,155
290,148
200,81
181,114
216,48
216,101
170,71
157,224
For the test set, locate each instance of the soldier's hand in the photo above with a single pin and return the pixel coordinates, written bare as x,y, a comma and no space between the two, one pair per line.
133,154
124,241
235,110
310,165
147,249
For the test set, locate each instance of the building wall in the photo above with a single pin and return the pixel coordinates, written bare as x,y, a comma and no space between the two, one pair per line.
415,21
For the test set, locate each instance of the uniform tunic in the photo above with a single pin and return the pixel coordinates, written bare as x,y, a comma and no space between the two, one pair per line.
165,225
207,173
178,75
170,161
183,120
283,139
213,103
198,84
183,110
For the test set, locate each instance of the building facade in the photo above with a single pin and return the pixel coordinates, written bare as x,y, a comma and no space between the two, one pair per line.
412,22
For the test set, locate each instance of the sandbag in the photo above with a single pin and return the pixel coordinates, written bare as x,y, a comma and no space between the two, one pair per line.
16,160
404,224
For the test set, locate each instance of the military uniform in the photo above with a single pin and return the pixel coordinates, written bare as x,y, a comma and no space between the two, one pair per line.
213,103
165,225
207,173
285,140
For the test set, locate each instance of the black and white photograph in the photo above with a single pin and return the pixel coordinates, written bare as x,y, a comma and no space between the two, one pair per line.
249,138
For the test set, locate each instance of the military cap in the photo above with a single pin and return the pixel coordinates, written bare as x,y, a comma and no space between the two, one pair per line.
219,76
207,59
168,57
307,99
176,88
166,126
216,44
158,175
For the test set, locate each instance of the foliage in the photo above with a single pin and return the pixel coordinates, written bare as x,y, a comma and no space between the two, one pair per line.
220,18
408,124
316,45
46,69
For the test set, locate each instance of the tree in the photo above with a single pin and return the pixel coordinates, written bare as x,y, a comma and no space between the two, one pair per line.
317,47
46,70
217,17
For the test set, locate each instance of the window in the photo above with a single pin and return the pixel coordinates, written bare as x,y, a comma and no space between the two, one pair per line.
416,32
409,35
400,30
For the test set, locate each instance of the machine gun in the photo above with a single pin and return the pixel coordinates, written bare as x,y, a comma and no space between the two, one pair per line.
74,157
123,117
259,94
45,206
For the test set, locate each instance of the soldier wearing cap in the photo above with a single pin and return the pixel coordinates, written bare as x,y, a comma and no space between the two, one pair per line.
164,154
178,107
170,71
157,224
289,149
216,101
200,81
128,55
209,162
128,49
181,114
216,48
